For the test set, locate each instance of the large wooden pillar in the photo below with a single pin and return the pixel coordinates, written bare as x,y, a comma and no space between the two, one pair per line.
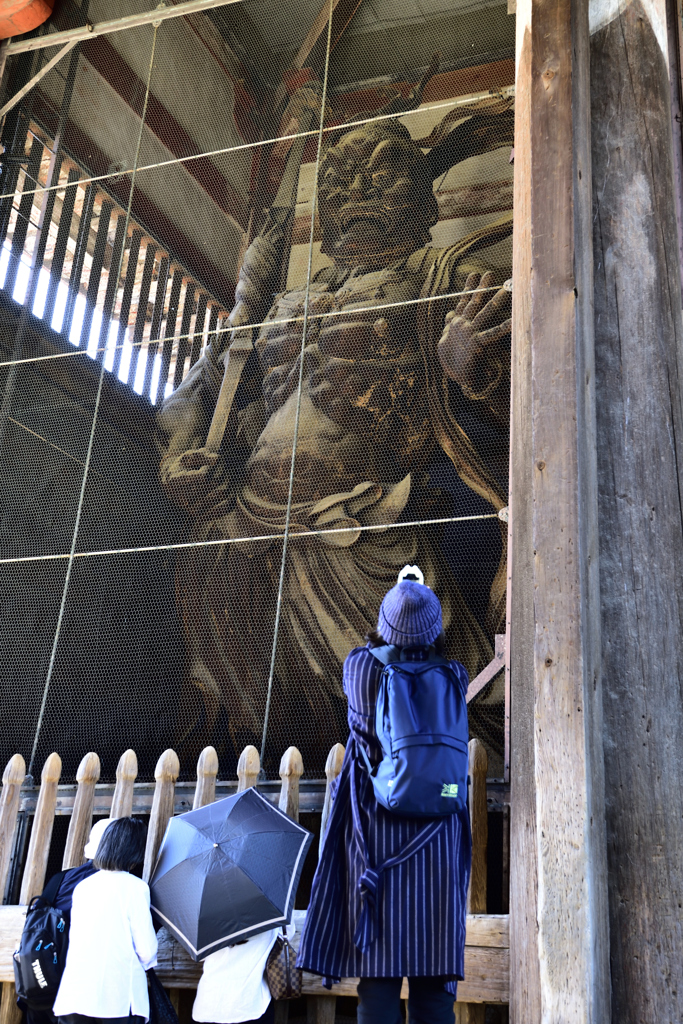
558,901
639,380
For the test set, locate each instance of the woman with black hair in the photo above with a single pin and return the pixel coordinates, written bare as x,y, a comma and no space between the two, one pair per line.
112,941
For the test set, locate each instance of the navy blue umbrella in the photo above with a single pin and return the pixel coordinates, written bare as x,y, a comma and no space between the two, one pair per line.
227,871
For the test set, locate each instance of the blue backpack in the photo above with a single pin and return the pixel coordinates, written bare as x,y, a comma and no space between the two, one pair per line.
421,724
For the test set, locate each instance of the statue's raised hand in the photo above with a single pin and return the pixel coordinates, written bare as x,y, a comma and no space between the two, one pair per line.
186,477
471,329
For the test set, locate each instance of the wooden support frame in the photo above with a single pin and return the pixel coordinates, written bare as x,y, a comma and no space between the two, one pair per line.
558,897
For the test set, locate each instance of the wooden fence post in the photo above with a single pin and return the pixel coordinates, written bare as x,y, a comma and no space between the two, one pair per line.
207,770
475,1013
248,768
126,774
41,835
321,1009
478,768
9,1011
81,820
333,766
165,773
12,778
291,770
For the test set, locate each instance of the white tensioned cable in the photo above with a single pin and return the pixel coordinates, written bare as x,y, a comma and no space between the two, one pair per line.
309,271
507,91
265,323
91,440
249,539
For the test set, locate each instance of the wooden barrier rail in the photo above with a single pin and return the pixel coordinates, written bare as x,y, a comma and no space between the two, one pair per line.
487,942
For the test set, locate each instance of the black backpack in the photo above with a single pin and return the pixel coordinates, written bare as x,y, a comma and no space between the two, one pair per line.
39,961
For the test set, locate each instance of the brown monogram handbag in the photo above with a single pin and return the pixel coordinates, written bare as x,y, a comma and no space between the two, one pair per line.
282,975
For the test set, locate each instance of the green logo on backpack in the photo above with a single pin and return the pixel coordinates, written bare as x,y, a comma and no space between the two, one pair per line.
450,789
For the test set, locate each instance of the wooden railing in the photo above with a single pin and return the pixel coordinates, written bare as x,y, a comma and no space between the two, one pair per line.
487,943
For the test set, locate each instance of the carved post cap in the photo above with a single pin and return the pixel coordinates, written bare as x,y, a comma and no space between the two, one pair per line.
478,758
335,760
168,767
88,769
292,763
207,765
127,767
15,771
52,769
248,768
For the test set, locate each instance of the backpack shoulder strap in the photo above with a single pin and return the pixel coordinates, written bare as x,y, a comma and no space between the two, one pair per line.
385,655
49,893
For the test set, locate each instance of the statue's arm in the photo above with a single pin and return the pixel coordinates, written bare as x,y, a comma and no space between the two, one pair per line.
187,467
473,348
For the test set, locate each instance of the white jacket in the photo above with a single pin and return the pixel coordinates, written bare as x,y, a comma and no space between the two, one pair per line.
111,945
232,988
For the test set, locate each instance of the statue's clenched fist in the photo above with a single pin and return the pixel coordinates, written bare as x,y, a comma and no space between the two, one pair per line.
186,476
472,329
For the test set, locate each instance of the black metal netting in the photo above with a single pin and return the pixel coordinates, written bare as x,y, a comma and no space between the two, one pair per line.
185,315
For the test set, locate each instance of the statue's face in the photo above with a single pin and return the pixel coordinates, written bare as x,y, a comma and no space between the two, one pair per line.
375,199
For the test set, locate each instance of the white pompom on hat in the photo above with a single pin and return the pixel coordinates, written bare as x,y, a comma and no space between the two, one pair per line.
95,837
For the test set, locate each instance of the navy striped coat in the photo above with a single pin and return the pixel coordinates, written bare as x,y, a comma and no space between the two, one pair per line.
389,895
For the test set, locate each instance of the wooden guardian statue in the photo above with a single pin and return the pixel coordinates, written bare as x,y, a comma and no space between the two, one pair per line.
384,394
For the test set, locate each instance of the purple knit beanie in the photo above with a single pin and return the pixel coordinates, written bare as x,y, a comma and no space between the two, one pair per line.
410,615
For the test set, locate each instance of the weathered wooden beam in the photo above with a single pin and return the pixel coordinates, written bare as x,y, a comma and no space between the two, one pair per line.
12,778
33,879
291,770
248,768
165,773
333,766
639,386
207,770
558,903
126,774
81,820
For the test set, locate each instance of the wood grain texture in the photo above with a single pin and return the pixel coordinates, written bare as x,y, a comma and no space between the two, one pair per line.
248,768
41,834
479,822
9,1011
207,770
333,766
321,1009
525,979
487,961
126,774
291,770
165,773
81,820
639,382
12,778
557,767
470,1013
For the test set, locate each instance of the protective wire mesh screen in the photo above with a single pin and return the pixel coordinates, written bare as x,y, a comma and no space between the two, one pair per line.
255,357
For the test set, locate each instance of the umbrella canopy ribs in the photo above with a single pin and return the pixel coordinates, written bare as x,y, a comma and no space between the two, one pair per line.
227,871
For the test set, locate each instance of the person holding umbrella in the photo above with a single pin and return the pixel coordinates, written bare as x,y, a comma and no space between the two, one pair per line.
224,885
390,891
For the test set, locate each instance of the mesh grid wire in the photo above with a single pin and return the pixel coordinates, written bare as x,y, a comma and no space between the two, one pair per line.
194,534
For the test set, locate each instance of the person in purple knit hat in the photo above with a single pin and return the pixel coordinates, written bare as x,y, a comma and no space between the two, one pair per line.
388,903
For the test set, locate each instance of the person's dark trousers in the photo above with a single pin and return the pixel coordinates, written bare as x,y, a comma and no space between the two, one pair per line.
379,1001
80,1018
